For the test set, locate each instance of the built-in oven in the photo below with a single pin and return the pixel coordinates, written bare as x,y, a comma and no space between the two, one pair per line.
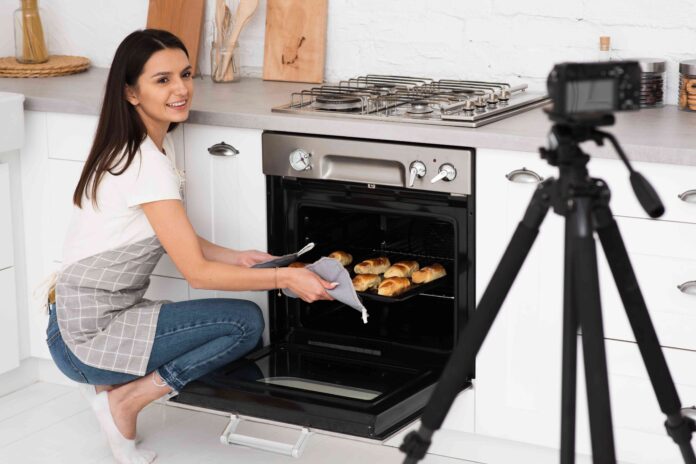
324,367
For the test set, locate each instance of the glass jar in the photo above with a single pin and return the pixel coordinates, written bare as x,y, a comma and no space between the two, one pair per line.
30,44
218,55
652,82
687,85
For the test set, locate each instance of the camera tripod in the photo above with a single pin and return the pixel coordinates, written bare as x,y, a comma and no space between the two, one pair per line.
584,202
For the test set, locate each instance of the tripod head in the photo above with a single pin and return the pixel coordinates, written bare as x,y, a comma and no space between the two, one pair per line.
564,152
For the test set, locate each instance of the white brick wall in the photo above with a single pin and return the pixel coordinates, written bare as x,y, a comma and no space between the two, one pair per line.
508,40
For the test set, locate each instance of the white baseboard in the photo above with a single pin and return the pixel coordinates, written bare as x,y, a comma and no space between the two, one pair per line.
32,370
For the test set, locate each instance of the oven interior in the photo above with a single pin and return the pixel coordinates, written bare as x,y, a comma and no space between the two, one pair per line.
425,321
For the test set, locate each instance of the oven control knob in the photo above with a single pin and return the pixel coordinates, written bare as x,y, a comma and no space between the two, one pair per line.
300,160
417,170
447,172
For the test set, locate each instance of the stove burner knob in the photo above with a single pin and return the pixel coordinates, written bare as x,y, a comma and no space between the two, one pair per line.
417,170
447,172
468,108
480,104
493,101
300,160
504,97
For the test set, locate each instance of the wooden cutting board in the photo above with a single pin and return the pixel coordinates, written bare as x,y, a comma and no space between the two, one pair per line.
295,44
183,18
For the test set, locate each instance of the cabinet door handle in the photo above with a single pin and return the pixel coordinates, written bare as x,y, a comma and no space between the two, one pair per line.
684,288
223,149
686,196
524,176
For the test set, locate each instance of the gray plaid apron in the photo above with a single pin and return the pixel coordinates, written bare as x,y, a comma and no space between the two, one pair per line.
102,315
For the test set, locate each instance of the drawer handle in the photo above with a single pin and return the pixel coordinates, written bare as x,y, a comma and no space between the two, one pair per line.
223,149
524,176
684,288
687,196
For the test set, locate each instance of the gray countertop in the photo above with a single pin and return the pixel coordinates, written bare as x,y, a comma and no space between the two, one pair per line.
664,135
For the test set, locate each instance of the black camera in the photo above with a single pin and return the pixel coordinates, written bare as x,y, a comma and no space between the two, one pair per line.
584,89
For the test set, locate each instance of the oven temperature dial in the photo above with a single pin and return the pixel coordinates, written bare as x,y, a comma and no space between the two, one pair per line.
447,172
300,160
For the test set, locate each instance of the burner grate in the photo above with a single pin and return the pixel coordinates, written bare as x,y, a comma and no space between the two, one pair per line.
416,99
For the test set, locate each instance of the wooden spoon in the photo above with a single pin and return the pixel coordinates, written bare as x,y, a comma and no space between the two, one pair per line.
245,10
218,39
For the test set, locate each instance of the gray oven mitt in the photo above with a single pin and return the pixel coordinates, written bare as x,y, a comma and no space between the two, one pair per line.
332,271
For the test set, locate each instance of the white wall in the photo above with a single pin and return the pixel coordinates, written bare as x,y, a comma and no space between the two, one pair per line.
482,39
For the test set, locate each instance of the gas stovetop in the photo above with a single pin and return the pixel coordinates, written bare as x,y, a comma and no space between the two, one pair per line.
416,100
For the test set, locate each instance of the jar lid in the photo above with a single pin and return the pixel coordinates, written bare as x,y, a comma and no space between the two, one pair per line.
687,67
652,65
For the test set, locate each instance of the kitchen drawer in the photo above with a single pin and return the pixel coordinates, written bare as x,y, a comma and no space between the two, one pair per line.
639,431
70,136
669,180
663,256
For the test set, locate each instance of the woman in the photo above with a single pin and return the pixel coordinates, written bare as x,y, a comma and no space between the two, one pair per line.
128,212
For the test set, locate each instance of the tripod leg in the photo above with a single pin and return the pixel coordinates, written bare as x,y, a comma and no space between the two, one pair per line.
678,426
462,359
586,299
570,344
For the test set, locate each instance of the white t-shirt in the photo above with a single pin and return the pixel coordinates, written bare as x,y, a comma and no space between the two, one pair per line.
119,219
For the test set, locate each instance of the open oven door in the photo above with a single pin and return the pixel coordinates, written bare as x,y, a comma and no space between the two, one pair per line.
316,387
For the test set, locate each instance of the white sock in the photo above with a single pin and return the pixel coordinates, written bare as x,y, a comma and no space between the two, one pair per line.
124,450
89,392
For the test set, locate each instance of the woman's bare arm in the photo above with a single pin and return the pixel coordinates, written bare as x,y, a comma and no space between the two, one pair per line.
248,258
175,232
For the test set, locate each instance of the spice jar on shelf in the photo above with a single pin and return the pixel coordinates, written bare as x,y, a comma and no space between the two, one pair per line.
30,43
687,85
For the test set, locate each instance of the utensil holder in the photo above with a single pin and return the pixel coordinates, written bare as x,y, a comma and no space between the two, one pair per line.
30,44
217,57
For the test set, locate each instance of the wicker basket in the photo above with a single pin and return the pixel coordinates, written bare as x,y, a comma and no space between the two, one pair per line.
57,65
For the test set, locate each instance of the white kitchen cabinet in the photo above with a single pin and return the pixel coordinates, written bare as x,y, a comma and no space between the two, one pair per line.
226,195
518,383
70,136
9,340
664,259
6,242
639,433
675,184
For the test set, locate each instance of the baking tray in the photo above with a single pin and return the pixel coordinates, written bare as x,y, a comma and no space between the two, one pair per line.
414,290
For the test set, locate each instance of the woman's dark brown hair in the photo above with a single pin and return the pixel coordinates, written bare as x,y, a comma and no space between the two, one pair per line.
120,130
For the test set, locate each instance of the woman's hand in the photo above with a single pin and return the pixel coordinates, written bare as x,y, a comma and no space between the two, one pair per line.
306,284
250,257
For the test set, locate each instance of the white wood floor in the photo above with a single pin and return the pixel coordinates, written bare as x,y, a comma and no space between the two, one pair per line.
50,423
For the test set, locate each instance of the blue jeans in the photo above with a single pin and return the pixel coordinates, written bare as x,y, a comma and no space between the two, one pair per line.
192,338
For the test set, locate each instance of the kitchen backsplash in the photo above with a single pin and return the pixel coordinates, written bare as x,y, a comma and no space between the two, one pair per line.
487,39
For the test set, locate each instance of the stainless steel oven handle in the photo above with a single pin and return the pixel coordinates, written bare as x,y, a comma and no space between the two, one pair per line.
229,437
223,149
524,176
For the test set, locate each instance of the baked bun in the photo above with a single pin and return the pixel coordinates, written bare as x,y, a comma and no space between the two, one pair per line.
297,264
402,269
363,282
393,286
372,266
428,274
342,257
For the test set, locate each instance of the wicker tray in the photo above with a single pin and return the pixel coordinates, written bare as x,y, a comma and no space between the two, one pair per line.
57,65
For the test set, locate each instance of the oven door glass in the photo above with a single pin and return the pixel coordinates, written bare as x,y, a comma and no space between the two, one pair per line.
315,387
